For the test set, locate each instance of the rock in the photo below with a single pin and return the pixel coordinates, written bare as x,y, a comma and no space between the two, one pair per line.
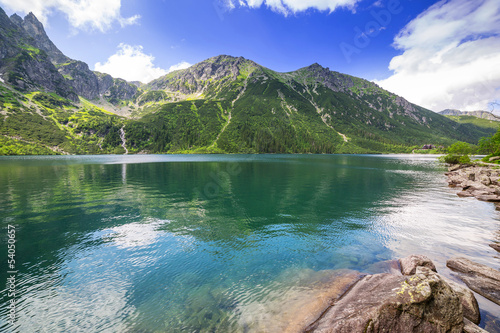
482,279
472,176
485,180
470,327
495,247
81,78
494,158
410,264
488,197
306,296
465,194
455,167
388,266
468,300
423,302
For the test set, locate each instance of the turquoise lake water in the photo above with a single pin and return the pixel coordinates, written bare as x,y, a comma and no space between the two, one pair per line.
218,243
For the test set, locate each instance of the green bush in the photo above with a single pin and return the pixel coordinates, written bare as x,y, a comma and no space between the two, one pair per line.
458,153
455,159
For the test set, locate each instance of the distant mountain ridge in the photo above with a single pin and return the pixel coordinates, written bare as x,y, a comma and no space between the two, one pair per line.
478,114
223,104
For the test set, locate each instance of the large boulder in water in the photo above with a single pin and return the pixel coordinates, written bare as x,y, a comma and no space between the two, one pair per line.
482,279
423,302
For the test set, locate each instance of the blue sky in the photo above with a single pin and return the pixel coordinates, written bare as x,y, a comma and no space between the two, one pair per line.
439,54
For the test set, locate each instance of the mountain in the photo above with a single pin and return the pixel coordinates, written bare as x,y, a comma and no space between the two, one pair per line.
53,104
31,62
478,114
482,119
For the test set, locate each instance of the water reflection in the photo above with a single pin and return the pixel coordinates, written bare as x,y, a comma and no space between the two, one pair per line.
203,243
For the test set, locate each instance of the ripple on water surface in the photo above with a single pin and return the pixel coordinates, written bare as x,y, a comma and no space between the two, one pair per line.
222,243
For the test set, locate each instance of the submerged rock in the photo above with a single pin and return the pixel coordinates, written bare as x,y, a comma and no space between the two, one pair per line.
423,302
470,327
302,296
387,266
495,246
482,279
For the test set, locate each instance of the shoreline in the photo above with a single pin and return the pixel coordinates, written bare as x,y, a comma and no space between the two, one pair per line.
413,296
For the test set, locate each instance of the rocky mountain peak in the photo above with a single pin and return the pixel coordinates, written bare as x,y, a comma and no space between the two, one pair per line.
34,28
17,20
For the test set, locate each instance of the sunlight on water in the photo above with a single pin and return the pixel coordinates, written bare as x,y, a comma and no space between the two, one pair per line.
237,243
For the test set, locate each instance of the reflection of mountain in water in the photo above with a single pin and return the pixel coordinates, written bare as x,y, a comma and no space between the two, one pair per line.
194,243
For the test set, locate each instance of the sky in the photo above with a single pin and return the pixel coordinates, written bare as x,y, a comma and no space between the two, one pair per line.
437,54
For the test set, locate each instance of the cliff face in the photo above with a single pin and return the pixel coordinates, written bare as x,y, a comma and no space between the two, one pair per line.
34,28
30,61
81,78
25,66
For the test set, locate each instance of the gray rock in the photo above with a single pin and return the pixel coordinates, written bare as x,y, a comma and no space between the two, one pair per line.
34,28
27,69
482,279
494,158
389,303
81,78
410,264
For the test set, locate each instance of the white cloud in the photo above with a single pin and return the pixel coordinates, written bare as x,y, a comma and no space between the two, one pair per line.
132,64
81,14
287,7
451,56
181,65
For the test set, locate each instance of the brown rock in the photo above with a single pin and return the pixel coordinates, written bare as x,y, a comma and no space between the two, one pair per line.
423,302
289,310
464,194
470,327
495,247
482,279
410,263
468,300
488,197
494,158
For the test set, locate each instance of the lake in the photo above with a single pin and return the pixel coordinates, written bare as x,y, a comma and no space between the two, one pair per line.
204,243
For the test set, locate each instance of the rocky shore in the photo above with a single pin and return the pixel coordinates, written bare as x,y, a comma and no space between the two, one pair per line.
415,299
480,182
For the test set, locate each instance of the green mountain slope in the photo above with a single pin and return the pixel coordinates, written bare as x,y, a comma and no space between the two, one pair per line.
221,105
480,122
